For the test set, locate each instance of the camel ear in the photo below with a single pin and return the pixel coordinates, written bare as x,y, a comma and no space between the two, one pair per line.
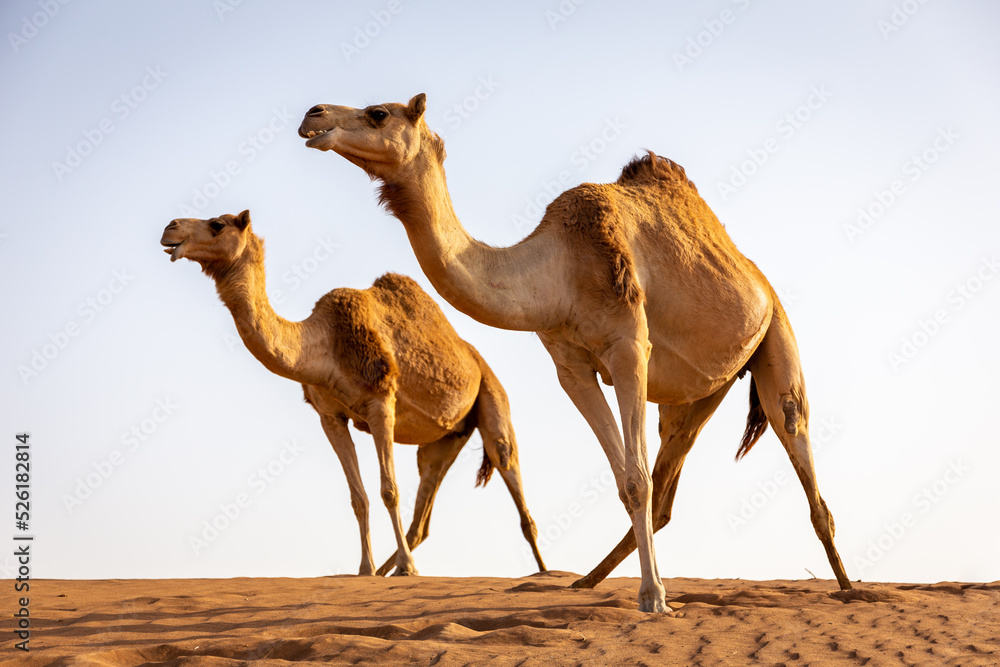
415,109
242,221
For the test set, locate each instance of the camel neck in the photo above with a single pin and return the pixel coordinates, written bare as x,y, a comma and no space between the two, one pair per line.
272,340
510,288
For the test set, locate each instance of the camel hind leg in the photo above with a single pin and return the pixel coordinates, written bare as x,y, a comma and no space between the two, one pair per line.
679,427
433,461
500,451
780,385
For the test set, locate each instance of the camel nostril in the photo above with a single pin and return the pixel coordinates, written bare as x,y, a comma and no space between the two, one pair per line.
173,224
316,111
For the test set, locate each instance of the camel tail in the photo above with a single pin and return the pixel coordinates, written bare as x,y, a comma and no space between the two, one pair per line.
485,470
756,423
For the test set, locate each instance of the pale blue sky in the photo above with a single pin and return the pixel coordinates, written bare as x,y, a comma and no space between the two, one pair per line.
837,103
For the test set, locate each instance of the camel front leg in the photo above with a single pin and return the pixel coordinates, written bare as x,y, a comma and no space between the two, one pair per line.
627,362
340,438
433,461
579,380
679,427
382,422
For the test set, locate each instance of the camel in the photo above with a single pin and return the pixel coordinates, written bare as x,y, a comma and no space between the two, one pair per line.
635,281
385,358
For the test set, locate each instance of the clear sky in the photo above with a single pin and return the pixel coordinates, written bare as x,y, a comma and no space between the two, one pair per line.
849,148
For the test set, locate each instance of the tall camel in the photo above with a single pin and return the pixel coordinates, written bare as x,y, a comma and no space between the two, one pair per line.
384,357
635,281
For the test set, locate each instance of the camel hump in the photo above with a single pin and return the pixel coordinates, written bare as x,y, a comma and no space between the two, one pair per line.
397,282
357,341
652,167
403,295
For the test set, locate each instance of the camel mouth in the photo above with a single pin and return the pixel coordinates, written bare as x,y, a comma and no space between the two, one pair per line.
173,249
318,138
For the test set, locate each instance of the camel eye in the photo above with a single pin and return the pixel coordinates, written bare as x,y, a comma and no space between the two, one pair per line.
378,115
216,226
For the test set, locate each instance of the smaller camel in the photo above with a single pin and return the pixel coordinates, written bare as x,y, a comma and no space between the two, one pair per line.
384,357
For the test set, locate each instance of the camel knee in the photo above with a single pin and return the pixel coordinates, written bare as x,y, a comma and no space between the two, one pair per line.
390,494
360,505
636,491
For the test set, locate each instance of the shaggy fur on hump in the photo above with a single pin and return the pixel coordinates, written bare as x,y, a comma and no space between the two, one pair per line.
355,340
591,211
653,167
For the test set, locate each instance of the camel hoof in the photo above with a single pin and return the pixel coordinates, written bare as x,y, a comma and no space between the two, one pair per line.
652,606
406,572
652,600
583,582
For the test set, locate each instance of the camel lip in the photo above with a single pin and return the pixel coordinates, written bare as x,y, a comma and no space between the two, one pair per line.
313,137
172,249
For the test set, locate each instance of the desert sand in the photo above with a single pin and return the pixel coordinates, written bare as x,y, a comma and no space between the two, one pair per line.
533,620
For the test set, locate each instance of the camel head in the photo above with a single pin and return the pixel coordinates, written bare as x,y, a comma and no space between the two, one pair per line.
382,139
209,242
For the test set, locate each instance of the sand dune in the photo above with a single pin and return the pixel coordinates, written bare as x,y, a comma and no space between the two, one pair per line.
534,620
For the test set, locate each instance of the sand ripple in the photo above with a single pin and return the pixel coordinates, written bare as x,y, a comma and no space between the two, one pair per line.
536,620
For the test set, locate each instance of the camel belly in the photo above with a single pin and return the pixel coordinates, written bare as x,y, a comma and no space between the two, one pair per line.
418,427
693,357
693,352
414,425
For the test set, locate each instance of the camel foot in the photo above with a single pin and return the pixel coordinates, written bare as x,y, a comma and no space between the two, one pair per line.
652,599
366,570
584,582
407,570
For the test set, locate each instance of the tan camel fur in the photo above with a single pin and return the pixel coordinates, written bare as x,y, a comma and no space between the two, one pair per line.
384,357
635,281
